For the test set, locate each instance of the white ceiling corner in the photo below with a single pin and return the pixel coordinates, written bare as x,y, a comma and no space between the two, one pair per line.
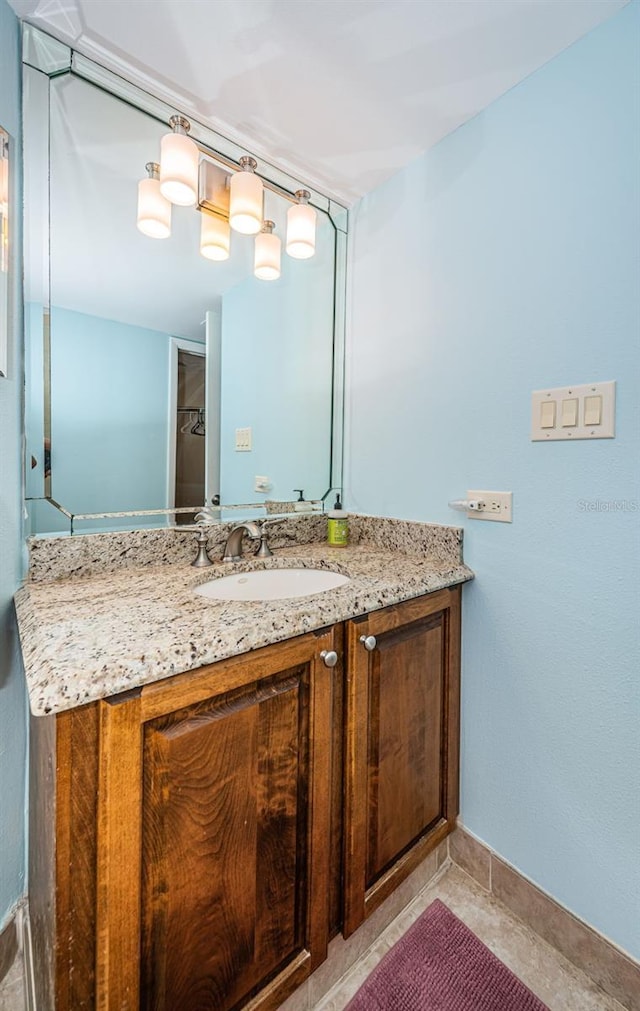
341,94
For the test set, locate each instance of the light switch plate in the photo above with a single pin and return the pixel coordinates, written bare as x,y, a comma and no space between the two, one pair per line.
243,440
495,505
542,431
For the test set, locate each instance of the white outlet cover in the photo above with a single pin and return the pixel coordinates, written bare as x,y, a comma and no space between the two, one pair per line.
498,506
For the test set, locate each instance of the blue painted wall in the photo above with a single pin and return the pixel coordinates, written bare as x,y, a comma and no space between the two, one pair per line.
13,715
276,368
503,261
109,431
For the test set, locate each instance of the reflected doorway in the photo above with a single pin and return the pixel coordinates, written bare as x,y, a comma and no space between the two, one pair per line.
187,467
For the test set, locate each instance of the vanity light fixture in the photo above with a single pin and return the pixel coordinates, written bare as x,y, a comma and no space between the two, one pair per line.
215,236
227,197
245,198
179,158
267,254
301,227
154,212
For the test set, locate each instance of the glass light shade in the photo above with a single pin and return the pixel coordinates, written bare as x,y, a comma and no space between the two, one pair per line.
154,212
301,231
215,237
266,263
179,158
245,201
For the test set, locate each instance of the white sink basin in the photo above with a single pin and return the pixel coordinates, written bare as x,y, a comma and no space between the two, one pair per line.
271,584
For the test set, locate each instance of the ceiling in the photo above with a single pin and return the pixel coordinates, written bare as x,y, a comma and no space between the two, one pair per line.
341,93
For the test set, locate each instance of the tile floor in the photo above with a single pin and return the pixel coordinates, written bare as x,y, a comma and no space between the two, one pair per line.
555,980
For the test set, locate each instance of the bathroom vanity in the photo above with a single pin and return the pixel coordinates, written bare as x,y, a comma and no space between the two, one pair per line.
217,787
214,828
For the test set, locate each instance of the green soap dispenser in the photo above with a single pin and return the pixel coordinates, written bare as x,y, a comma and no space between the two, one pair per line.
337,526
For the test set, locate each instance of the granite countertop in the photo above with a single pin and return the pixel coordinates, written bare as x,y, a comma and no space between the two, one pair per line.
88,637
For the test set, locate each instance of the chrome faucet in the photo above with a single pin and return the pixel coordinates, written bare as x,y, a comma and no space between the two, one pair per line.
256,531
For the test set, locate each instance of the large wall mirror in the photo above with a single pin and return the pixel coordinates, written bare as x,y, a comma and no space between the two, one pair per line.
158,379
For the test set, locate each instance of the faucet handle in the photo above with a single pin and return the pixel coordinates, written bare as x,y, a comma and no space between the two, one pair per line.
202,558
264,551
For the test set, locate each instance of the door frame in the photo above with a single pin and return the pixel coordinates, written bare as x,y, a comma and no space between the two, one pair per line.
192,347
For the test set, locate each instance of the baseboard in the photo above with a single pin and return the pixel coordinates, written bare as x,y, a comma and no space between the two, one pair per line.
26,945
611,968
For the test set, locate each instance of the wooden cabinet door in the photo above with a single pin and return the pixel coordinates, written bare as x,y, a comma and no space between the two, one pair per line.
402,744
224,834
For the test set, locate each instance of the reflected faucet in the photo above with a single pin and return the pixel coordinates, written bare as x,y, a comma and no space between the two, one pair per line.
256,531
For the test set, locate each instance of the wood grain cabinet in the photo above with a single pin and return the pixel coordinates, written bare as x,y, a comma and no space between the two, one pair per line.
212,830
402,744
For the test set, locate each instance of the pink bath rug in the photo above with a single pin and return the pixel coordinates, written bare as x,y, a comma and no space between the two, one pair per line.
440,965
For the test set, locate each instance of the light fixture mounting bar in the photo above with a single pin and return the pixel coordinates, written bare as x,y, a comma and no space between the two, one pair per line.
236,166
213,189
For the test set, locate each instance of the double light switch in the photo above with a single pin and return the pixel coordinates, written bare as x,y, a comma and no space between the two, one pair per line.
574,412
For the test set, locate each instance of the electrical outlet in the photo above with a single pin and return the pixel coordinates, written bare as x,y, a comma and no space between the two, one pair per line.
493,505
261,484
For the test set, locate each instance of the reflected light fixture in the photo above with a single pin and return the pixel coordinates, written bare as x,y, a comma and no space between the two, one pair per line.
154,212
267,254
215,236
301,227
245,198
179,157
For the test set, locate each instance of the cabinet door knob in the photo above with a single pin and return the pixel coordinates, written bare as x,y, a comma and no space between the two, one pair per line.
369,642
330,657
